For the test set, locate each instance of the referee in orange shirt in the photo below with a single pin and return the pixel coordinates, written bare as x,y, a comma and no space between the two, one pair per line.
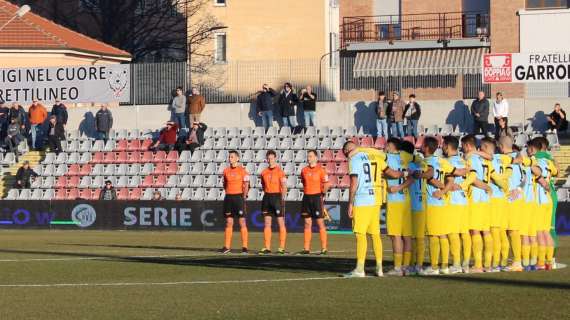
236,186
315,186
275,189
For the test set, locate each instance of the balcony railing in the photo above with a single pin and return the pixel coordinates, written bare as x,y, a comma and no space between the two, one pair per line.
431,26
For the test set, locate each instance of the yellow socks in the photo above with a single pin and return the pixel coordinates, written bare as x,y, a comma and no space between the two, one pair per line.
420,251
377,244
361,247
407,258
496,236
477,250
533,252
455,246
504,248
444,243
466,240
397,260
541,255
525,254
488,239
516,245
434,252
549,254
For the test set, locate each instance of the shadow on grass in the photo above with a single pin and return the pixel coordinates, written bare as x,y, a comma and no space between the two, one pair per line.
290,264
126,246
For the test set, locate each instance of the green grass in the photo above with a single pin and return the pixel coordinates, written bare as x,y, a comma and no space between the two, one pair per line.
144,259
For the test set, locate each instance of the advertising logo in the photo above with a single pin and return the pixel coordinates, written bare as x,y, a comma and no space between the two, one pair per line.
497,68
83,215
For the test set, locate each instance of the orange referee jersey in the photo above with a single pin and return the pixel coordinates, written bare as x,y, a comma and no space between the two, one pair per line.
313,179
234,179
273,179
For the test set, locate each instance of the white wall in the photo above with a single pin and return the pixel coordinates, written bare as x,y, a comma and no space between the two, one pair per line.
386,7
345,114
544,30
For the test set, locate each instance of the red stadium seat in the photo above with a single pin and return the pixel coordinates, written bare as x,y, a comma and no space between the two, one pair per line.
73,170
122,145
355,140
73,182
160,181
380,143
410,139
123,194
95,194
342,169
146,157
344,182
330,168
109,157
145,145
72,194
61,182
147,182
172,156
60,194
339,156
159,156
333,181
134,145
85,194
122,157
134,157
160,168
171,168
327,156
367,142
420,141
135,194
85,170
97,157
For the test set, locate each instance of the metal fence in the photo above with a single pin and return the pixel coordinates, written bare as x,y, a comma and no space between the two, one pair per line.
232,82
436,79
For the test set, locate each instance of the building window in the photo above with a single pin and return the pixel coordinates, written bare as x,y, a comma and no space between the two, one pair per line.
220,3
220,54
547,4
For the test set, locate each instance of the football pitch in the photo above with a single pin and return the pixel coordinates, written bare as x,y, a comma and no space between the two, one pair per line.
179,275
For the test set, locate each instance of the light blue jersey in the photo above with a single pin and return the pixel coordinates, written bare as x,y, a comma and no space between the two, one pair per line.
481,169
360,166
543,195
497,167
395,163
529,187
441,168
416,190
458,198
517,178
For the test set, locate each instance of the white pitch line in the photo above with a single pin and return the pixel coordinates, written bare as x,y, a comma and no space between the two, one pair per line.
101,258
132,284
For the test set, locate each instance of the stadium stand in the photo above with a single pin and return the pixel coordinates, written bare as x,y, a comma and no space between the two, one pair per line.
80,171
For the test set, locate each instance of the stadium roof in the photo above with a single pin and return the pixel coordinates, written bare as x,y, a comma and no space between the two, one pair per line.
34,32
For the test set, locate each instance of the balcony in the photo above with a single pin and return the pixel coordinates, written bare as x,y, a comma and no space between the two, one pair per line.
416,31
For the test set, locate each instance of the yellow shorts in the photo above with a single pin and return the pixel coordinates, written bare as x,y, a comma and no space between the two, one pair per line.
544,217
515,214
419,224
455,216
528,219
480,218
435,220
499,213
399,219
366,220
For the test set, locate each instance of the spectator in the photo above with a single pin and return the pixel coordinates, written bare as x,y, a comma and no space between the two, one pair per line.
17,112
37,115
500,111
56,134
103,123
309,100
381,112
156,196
396,115
196,104
108,192
480,112
288,101
503,129
13,137
413,113
195,138
167,139
179,107
557,119
4,120
23,176
264,106
178,197
60,111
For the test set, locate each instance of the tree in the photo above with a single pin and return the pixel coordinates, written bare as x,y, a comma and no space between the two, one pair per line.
151,30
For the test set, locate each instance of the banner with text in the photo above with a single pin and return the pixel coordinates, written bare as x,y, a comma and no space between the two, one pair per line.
73,84
526,67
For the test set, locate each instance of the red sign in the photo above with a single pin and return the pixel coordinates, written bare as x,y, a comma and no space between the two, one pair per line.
497,68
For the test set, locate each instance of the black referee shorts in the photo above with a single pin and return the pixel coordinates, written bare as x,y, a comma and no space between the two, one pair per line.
271,205
234,206
311,206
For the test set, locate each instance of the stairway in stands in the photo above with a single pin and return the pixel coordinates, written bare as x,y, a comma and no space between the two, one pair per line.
562,156
9,175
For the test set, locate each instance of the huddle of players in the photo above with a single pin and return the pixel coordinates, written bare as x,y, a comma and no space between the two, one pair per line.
481,203
236,185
